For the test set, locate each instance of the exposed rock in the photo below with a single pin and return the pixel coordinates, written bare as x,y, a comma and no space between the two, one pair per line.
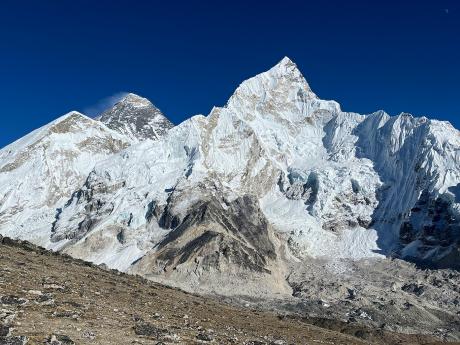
137,118
16,340
66,314
4,331
89,335
204,337
59,339
149,330
46,298
113,303
12,300
278,342
415,289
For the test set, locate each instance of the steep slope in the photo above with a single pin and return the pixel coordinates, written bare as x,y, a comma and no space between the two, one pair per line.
136,118
89,305
419,164
39,172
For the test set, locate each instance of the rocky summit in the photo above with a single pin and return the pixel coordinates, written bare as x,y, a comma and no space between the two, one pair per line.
136,118
279,196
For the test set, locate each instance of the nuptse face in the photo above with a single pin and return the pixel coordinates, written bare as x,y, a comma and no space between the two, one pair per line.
276,175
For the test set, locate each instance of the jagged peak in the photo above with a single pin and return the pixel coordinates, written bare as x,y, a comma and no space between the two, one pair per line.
127,102
380,112
73,114
287,67
136,118
286,61
135,100
284,76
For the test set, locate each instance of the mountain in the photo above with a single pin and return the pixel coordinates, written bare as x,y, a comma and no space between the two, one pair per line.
323,183
39,172
278,193
136,118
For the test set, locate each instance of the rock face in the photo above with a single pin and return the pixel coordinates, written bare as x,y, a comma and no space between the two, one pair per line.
234,198
136,118
217,238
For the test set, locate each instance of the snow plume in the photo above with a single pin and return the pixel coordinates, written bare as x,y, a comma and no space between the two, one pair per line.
97,109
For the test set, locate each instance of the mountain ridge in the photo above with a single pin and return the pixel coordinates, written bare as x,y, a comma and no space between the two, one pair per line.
279,104
241,201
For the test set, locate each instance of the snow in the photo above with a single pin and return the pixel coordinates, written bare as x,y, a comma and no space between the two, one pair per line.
41,170
333,184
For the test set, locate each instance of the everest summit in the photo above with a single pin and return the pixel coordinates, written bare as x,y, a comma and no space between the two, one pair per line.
136,118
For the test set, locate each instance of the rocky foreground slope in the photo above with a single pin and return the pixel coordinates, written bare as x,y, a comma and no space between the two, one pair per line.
53,299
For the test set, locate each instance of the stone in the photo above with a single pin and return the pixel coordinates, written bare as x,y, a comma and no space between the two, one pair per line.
18,340
12,300
147,329
60,339
204,337
4,331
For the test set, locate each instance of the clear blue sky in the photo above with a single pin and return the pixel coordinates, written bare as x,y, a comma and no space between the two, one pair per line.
57,56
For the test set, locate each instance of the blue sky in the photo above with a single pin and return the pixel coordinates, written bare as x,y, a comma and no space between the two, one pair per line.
57,56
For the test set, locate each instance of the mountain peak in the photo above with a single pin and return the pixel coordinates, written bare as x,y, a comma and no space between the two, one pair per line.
135,100
283,82
73,114
286,63
137,118
287,68
73,120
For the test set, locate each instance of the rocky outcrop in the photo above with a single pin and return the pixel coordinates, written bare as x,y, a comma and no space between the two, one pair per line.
137,119
214,238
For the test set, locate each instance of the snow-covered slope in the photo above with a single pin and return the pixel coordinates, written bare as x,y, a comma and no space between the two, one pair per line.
39,172
275,176
137,118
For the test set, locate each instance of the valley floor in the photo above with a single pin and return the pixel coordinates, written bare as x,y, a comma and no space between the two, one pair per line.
47,298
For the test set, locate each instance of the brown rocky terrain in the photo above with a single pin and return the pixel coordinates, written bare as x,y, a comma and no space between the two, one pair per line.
49,298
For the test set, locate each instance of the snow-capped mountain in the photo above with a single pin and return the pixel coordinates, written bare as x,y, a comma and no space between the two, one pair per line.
276,176
136,118
39,172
